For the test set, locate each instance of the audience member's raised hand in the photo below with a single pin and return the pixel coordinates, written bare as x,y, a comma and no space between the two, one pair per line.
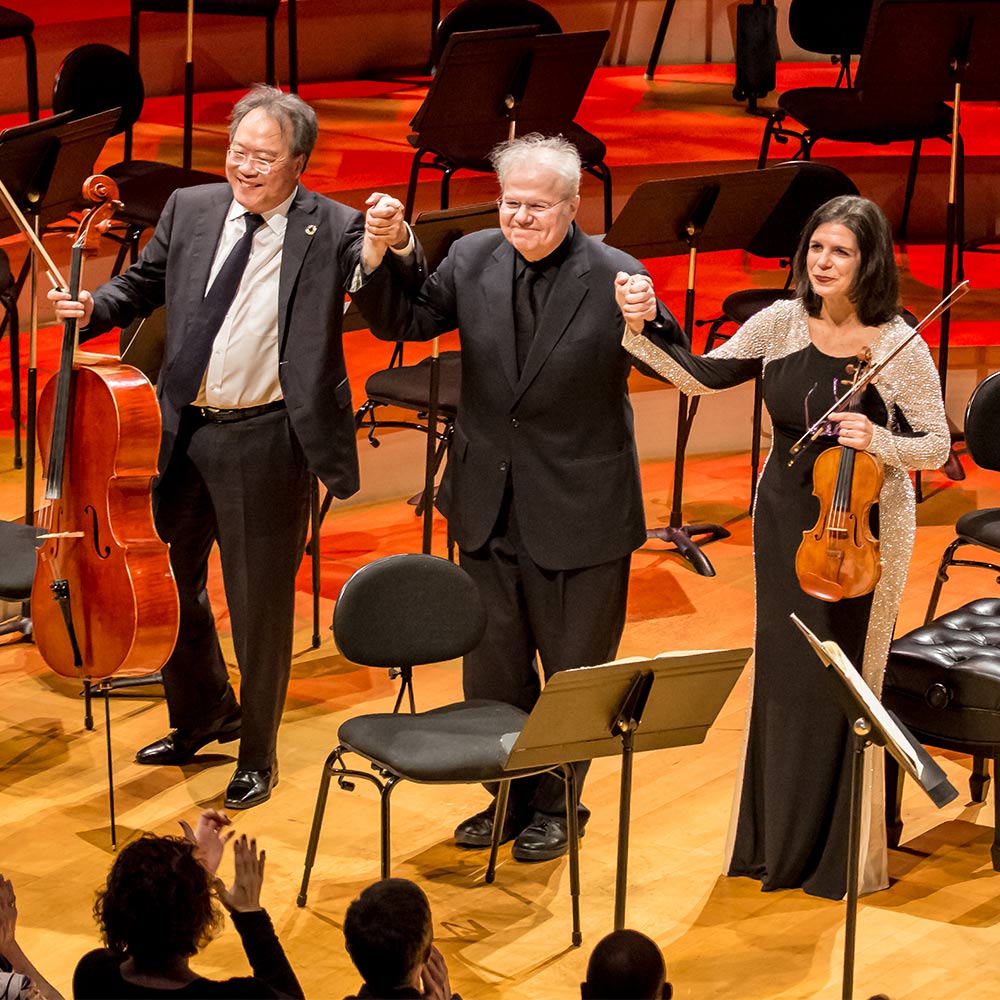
434,976
243,895
208,839
8,914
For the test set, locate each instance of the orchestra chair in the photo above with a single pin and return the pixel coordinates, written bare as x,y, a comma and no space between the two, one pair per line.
265,9
398,612
777,239
17,571
837,31
879,113
479,15
442,144
977,527
14,24
942,680
94,78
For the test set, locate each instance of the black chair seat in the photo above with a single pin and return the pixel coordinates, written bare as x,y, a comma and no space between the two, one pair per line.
406,386
145,185
14,24
943,681
455,743
944,678
17,566
845,117
980,527
740,306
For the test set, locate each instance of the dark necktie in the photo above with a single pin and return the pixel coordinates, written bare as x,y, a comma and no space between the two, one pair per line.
184,378
525,310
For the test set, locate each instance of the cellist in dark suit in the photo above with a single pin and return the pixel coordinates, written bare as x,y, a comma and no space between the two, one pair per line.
254,396
542,490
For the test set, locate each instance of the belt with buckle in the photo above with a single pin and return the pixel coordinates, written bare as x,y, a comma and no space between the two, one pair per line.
216,416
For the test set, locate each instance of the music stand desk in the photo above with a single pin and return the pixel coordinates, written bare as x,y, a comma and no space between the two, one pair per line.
617,708
870,723
680,215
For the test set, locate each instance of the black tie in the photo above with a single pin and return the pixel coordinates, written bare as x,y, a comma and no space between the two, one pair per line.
525,306
184,378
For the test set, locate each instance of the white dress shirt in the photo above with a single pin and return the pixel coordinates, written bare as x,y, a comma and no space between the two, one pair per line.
243,367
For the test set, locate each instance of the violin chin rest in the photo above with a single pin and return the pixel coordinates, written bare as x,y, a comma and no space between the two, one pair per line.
820,588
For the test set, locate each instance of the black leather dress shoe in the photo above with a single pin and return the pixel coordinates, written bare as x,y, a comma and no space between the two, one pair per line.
545,838
477,831
250,788
181,745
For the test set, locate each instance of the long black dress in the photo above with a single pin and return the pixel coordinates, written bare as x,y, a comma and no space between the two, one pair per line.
791,814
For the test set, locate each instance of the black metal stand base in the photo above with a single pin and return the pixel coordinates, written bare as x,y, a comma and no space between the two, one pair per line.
682,539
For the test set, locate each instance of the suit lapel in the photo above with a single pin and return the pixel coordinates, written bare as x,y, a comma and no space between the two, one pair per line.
564,300
299,232
498,287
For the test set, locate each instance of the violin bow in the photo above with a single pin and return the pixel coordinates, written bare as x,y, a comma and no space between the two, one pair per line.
873,371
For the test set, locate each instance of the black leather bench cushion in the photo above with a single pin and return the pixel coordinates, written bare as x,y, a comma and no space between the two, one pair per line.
943,679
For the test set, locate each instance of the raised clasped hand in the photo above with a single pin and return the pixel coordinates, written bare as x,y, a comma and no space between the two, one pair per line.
67,308
384,227
636,299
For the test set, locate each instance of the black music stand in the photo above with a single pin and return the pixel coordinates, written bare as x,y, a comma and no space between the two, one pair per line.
940,50
491,85
685,215
871,723
621,707
43,166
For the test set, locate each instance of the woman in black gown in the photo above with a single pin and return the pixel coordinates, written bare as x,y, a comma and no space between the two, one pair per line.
790,818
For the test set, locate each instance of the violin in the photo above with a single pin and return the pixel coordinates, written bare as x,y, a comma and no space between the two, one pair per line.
839,556
104,597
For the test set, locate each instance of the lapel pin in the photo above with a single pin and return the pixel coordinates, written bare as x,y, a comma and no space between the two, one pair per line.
310,230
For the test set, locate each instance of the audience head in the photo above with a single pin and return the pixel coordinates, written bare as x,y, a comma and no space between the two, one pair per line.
157,904
875,288
626,965
388,933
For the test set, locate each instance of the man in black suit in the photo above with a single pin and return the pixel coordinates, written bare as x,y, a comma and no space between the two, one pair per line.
254,397
542,490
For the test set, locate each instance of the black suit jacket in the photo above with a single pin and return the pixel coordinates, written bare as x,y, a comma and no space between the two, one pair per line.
320,252
561,434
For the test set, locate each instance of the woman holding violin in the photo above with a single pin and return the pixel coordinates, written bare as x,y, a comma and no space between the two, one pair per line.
833,529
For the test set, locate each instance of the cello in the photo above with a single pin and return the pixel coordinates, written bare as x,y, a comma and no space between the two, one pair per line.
104,598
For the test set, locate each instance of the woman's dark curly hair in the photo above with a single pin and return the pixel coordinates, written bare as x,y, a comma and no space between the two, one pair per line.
875,289
158,901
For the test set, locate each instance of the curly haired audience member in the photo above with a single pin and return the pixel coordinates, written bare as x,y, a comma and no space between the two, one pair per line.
159,908
626,965
389,936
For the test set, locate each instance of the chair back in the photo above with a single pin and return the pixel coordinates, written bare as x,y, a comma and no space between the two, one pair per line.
831,29
813,185
982,418
405,610
97,77
481,15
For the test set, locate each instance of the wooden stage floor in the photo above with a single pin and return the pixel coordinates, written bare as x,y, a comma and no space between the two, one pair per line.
934,933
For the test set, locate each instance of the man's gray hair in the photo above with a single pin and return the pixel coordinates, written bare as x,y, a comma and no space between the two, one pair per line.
536,150
296,119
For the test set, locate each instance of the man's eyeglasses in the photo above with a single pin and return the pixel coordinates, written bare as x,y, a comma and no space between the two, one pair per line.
512,207
240,156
